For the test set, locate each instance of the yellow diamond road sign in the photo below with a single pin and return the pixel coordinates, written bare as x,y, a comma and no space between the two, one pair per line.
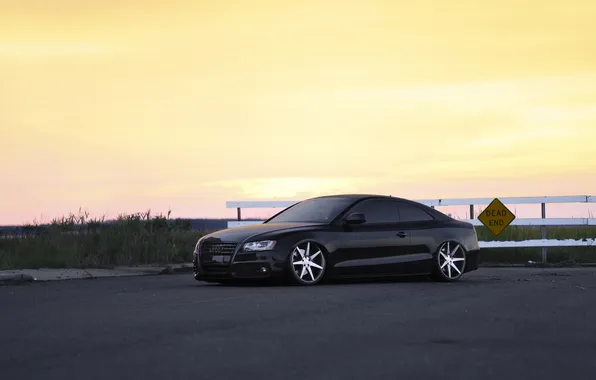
496,217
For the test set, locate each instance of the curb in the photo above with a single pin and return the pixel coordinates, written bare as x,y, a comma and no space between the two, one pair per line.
537,265
15,278
174,269
503,265
60,274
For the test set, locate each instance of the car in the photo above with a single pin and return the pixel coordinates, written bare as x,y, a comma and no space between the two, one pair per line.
340,237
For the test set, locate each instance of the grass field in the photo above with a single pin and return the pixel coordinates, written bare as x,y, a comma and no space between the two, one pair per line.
558,255
76,241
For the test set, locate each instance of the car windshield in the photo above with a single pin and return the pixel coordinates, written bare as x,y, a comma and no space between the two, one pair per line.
318,210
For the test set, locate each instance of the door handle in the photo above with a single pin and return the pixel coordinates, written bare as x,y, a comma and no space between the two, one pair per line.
402,234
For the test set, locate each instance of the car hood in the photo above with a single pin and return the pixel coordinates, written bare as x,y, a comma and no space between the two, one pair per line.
240,234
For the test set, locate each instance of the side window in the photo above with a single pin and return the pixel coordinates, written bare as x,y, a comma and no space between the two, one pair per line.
378,211
412,213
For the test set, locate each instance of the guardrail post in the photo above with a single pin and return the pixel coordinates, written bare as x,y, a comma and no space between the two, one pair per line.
471,211
544,249
239,213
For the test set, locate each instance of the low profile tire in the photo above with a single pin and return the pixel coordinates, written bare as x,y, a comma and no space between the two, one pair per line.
307,263
450,262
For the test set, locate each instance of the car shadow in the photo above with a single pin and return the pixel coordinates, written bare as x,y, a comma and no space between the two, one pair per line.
328,282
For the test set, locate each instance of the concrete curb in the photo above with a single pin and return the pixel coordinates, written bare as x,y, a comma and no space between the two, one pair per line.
501,265
167,269
180,268
15,278
63,274
538,265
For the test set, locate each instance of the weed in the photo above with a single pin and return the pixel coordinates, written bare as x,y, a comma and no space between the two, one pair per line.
77,240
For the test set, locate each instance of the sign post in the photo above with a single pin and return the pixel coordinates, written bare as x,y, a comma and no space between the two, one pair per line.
496,217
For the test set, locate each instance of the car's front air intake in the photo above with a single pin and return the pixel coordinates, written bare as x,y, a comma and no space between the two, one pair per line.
216,256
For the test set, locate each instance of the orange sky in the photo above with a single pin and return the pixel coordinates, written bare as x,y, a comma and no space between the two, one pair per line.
120,106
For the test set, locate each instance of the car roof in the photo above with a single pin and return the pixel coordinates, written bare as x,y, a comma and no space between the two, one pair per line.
359,197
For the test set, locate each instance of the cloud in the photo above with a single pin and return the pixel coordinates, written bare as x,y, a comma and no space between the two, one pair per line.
288,187
461,95
33,50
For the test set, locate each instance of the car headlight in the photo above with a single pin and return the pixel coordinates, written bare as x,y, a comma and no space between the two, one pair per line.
264,245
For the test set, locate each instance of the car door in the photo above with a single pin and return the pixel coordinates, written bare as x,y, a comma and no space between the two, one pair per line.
418,224
375,246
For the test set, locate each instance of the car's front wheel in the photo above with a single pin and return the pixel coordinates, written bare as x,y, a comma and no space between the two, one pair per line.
307,263
450,262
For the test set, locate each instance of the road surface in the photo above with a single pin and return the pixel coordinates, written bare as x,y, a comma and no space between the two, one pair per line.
494,324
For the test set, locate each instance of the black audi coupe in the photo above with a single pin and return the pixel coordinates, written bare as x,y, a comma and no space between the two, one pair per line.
341,236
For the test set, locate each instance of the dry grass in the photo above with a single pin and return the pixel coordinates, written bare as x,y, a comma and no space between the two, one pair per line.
79,241
555,254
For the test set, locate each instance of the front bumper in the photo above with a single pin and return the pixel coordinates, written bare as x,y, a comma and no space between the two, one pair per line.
261,265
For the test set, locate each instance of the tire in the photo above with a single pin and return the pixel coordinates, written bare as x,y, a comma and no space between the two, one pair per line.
450,262
313,255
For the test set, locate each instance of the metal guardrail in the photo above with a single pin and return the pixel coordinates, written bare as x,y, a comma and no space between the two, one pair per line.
438,202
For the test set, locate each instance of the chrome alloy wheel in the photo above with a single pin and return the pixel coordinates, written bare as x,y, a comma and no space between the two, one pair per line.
308,263
452,261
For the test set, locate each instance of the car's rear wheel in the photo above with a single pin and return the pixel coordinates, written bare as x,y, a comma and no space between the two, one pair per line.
450,262
307,263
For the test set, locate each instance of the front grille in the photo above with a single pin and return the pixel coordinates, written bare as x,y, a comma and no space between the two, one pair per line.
226,249
216,256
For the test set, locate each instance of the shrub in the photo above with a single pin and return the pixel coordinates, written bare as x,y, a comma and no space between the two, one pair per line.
77,241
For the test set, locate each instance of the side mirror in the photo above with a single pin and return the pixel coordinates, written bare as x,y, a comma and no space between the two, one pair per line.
355,218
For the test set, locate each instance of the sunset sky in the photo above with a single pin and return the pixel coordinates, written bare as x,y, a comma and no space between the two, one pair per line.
119,106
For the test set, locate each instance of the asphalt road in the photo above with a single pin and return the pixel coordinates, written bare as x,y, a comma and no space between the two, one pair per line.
495,324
